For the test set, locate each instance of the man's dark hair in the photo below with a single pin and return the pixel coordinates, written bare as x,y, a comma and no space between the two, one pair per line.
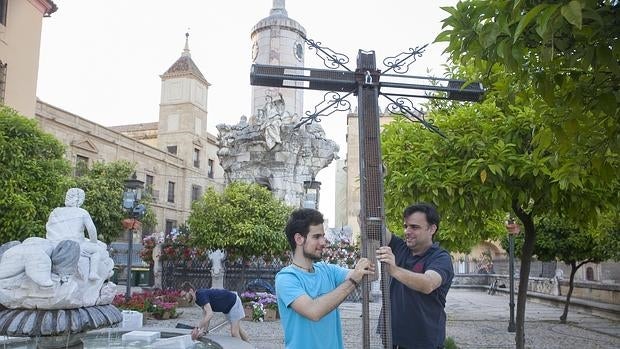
299,222
432,216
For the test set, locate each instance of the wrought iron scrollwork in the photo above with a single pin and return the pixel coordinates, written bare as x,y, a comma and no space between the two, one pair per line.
401,62
331,59
404,106
332,102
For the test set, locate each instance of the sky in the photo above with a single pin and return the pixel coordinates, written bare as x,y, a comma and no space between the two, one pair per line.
102,60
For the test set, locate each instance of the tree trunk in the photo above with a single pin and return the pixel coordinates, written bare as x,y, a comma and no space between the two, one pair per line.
524,273
573,270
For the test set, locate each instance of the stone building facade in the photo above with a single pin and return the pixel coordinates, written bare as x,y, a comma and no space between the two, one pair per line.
20,41
347,214
175,157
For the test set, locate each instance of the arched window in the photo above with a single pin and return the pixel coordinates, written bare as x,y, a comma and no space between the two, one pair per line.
589,274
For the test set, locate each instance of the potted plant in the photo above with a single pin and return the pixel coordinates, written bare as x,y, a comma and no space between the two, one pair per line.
260,306
258,312
269,304
247,299
163,310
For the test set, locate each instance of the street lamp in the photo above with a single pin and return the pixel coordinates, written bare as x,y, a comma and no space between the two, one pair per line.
131,196
513,229
311,197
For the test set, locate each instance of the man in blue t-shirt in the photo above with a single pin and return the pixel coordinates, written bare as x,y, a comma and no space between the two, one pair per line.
212,300
309,291
421,274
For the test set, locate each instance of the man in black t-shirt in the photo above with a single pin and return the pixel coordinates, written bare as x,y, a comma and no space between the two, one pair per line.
421,274
212,300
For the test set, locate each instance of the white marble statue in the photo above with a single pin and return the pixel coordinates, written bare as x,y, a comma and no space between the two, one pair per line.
217,268
69,222
64,270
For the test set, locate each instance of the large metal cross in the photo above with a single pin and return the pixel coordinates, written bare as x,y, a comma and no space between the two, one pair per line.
366,83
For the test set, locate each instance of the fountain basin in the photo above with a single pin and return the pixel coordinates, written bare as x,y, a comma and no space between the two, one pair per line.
112,338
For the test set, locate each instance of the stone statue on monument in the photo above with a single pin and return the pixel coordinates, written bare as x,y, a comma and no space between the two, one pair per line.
270,118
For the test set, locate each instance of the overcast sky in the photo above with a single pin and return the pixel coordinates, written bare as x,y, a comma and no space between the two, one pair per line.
102,59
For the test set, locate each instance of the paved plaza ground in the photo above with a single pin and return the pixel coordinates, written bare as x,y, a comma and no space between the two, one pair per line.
476,320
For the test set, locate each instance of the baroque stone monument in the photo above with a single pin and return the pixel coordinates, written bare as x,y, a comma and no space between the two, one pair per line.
267,149
270,151
57,285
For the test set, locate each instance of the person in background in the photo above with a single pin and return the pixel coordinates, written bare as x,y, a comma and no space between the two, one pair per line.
212,300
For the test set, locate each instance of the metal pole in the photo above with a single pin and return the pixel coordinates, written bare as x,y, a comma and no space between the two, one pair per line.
129,253
511,271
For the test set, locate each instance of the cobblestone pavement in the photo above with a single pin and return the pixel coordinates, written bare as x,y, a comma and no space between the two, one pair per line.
475,321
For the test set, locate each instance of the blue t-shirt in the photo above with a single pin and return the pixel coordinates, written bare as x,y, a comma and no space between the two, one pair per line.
418,319
299,331
221,301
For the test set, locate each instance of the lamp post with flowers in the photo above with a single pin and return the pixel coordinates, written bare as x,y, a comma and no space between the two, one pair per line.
513,229
135,210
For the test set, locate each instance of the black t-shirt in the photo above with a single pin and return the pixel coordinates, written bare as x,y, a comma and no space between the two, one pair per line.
418,319
221,301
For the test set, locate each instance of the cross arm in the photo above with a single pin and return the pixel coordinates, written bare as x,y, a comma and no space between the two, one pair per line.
305,78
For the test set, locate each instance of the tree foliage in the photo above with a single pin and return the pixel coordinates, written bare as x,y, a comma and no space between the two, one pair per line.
568,52
245,220
560,60
33,176
103,185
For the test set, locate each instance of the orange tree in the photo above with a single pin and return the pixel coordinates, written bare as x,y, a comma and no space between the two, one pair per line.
560,61
244,220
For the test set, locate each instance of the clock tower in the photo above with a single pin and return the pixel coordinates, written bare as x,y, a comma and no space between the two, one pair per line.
278,40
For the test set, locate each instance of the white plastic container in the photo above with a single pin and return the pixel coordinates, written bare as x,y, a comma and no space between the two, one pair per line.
147,337
131,319
179,342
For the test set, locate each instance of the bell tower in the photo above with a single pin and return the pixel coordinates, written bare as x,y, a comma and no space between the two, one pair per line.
278,40
183,110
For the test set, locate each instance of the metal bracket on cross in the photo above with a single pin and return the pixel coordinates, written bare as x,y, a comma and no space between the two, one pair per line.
392,86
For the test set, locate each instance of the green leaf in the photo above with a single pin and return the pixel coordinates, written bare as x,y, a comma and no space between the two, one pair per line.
483,176
517,5
572,13
443,36
450,10
525,21
544,19
489,33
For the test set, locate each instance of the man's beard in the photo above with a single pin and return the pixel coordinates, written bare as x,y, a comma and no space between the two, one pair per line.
312,257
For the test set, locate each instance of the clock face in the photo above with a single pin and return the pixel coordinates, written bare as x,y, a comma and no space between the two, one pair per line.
254,51
298,49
